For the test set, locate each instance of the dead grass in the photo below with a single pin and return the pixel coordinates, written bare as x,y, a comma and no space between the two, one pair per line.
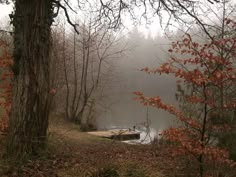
72,153
89,152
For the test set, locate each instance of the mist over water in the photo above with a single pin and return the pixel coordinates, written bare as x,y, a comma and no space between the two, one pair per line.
125,111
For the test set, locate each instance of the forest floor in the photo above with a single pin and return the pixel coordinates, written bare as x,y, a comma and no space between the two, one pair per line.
72,153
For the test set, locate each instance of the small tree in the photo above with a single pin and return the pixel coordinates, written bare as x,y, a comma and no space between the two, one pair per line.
200,68
88,69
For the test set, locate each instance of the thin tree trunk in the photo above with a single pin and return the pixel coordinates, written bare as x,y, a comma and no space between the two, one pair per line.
73,106
67,108
203,132
30,107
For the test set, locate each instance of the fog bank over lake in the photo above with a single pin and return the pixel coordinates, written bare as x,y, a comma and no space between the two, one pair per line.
124,111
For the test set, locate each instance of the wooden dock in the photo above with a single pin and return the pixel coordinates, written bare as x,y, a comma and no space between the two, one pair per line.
117,134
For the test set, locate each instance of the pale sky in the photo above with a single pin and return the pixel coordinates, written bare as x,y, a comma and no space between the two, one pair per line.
153,29
5,10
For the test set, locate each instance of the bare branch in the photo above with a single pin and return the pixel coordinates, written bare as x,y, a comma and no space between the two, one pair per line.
67,15
196,18
67,3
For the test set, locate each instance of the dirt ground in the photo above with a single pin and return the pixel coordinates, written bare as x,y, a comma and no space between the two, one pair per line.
72,153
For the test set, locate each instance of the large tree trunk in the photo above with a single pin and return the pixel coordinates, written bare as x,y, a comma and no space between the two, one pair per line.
31,92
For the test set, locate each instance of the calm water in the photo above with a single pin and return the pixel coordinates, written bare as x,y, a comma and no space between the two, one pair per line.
125,112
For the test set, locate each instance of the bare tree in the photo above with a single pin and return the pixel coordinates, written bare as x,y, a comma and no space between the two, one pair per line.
87,70
32,22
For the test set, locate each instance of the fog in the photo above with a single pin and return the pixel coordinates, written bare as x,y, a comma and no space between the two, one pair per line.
120,109
124,111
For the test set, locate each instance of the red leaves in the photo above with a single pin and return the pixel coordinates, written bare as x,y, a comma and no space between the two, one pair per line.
230,22
207,69
166,68
227,21
5,85
157,103
146,69
195,99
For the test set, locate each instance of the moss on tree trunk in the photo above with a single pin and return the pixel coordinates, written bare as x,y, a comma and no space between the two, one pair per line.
31,98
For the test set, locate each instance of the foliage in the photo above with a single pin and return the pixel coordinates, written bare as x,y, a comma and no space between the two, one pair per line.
5,85
209,76
32,22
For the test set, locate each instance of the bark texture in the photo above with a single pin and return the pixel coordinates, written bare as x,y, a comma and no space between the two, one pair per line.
31,92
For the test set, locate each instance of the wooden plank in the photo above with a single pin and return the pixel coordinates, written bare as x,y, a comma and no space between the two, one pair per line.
117,134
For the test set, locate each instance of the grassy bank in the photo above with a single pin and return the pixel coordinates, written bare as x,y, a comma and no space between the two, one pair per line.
71,153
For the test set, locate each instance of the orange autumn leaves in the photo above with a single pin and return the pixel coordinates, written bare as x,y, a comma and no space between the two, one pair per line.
205,68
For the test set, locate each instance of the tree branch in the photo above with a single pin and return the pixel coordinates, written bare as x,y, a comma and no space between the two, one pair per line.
67,15
196,18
